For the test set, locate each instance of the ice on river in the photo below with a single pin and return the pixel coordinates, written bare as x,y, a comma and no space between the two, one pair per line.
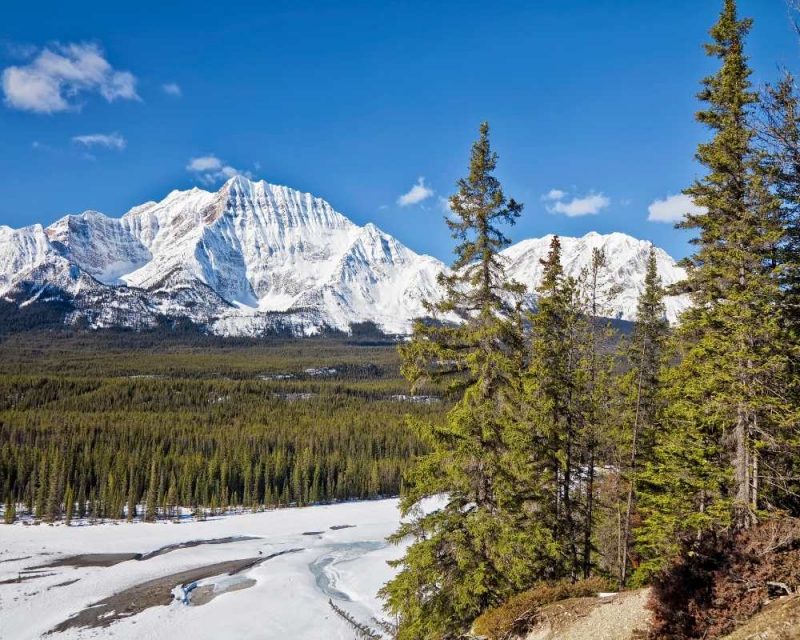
274,595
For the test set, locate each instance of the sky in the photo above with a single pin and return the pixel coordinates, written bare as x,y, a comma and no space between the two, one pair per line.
370,105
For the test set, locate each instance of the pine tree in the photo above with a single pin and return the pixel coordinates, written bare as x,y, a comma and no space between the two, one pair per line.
474,550
69,505
779,129
10,512
594,377
721,399
555,394
151,502
130,512
639,387
55,488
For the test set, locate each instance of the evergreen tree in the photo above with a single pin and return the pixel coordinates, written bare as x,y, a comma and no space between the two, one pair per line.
779,128
151,503
69,505
130,512
10,512
55,488
595,375
722,398
639,387
780,134
562,416
475,549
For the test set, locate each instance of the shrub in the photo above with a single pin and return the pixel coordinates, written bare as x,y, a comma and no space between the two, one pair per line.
718,583
519,613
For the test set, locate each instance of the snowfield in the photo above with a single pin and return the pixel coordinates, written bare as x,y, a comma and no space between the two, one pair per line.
284,567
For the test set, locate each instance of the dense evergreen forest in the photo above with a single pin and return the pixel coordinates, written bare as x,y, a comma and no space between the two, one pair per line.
671,461
102,424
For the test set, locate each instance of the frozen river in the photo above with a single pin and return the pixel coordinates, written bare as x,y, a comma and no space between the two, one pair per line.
261,575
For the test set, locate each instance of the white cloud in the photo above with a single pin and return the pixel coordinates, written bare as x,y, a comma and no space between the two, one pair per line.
673,208
109,141
172,89
210,169
554,194
204,163
577,206
53,80
418,193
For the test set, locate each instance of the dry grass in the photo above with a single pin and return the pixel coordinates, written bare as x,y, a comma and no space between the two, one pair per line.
521,612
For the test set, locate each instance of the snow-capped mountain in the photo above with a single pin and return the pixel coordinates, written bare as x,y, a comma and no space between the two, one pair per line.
621,282
255,257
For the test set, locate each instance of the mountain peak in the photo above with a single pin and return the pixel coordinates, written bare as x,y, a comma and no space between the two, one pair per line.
232,259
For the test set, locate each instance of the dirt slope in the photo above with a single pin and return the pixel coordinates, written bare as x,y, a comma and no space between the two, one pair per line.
622,616
779,620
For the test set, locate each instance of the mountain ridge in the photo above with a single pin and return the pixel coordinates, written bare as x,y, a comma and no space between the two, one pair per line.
254,257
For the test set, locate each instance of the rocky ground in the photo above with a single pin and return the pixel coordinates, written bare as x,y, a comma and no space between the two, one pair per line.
625,616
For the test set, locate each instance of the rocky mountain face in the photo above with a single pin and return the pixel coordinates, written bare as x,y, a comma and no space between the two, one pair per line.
254,257
621,282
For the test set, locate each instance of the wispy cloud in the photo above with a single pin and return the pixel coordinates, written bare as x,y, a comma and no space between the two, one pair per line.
107,140
416,194
575,206
554,194
172,89
54,79
672,209
210,169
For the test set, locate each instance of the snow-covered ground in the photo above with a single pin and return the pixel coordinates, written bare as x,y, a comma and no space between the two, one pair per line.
338,552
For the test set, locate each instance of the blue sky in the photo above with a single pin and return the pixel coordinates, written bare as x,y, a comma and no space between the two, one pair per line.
357,101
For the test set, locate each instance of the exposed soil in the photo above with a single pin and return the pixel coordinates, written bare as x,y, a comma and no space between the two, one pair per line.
153,593
110,559
622,616
193,543
207,592
63,584
25,577
90,560
779,620
15,559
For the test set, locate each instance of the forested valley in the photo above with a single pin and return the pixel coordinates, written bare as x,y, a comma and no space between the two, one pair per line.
125,425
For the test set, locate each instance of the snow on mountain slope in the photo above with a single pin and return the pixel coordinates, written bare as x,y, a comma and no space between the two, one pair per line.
249,258
20,251
99,245
627,263
255,257
379,277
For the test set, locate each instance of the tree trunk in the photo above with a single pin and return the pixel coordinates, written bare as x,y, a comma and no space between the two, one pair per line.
742,519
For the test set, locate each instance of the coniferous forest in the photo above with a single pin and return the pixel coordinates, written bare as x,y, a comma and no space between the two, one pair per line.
567,455
104,425
672,460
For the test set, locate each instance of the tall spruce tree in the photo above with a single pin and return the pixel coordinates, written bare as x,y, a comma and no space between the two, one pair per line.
554,387
595,377
638,388
476,548
721,399
779,128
